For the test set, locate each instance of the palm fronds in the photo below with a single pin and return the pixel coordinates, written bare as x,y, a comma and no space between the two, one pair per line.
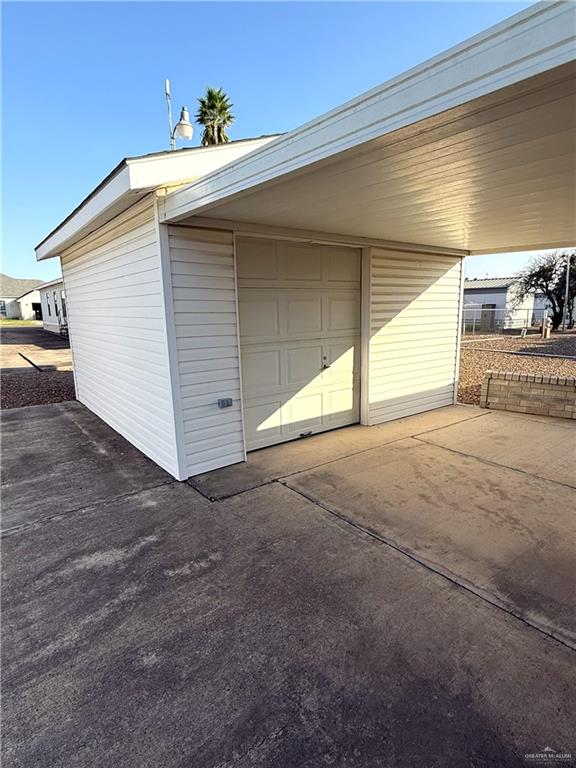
214,115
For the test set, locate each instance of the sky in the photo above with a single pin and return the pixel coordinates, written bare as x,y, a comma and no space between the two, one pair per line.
83,85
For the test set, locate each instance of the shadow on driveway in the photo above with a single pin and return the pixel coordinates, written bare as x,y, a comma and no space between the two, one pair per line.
145,625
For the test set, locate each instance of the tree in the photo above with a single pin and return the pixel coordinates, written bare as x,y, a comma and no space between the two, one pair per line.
546,273
214,115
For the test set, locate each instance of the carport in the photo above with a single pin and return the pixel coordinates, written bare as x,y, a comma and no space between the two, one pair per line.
316,281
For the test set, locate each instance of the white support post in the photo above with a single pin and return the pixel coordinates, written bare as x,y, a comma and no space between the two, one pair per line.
365,312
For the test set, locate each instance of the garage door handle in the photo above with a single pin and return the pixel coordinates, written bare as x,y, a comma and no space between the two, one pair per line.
326,365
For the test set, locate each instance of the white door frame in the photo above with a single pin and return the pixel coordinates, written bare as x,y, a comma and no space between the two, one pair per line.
365,254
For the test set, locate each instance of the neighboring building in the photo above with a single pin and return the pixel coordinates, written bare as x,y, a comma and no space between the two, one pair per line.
30,305
16,301
53,300
492,303
226,298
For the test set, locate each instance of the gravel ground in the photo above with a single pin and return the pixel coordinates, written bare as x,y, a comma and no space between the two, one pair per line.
558,344
474,363
35,388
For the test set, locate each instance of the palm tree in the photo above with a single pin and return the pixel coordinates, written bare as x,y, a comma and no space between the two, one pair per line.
214,114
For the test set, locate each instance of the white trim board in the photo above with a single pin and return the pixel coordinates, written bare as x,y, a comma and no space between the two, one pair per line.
312,236
176,399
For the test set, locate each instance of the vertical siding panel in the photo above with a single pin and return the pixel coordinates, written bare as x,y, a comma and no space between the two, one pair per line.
206,325
117,325
413,333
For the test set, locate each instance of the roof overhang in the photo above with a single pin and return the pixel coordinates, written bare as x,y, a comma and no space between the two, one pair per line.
23,295
50,284
473,150
133,179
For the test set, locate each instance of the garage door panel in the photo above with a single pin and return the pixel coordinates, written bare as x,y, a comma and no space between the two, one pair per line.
302,262
261,368
259,316
341,406
259,261
341,268
342,312
263,422
343,357
303,364
303,314
302,413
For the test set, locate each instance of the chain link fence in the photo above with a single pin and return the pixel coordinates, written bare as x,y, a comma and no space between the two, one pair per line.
485,321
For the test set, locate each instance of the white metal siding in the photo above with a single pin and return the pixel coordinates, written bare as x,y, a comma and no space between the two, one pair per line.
12,309
117,328
205,313
412,304
51,298
475,299
517,314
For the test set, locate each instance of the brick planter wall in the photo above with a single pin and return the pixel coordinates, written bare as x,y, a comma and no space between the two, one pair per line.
529,393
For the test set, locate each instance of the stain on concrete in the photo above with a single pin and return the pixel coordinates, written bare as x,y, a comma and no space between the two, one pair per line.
109,557
83,461
497,531
196,567
265,466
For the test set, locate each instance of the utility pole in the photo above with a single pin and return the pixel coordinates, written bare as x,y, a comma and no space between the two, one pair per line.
566,292
183,128
169,104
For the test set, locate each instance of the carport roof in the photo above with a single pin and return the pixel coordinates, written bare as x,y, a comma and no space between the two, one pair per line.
475,149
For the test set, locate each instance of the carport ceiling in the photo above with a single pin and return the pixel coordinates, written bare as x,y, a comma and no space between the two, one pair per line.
495,174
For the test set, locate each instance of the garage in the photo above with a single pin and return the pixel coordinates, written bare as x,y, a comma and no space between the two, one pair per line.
232,274
299,319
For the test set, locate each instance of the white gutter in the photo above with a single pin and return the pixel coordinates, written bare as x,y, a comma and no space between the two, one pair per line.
529,43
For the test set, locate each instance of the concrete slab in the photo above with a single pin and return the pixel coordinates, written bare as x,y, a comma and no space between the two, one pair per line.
59,457
24,347
538,445
503,534
269,464
162,630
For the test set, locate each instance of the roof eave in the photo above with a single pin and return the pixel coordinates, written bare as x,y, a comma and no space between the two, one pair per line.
49,284
130,180
108,193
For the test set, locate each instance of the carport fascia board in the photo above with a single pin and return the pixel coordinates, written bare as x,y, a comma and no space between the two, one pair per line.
529,43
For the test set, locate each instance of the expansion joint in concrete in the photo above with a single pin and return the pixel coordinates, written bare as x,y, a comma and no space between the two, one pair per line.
433,568
493,463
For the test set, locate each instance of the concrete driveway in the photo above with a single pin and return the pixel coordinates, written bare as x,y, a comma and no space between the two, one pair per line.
393,596
30,347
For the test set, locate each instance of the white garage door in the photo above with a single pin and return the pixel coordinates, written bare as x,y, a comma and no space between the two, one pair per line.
299,307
